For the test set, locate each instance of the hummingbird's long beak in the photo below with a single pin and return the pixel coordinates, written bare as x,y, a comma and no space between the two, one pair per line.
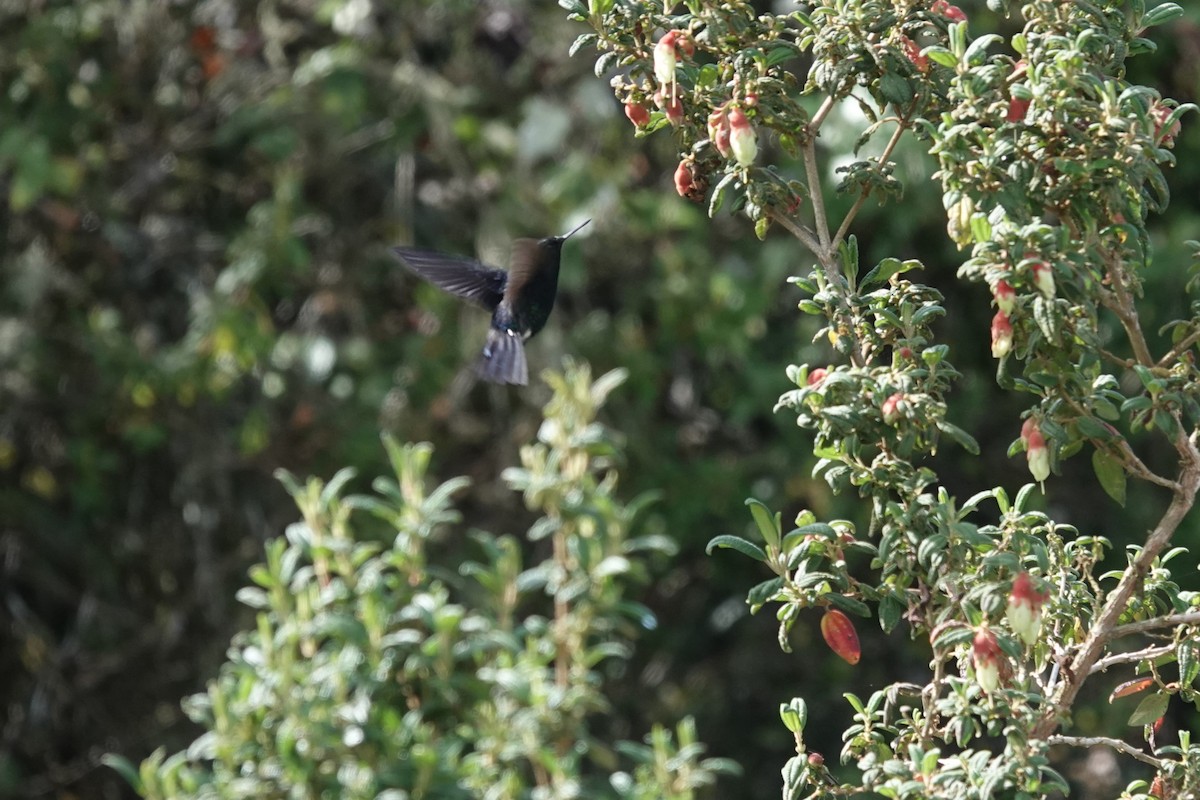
577,229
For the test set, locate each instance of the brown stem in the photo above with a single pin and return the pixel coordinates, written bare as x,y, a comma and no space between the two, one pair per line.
1179,349
562,612
1145,654
1115,744
1170,620
1102,631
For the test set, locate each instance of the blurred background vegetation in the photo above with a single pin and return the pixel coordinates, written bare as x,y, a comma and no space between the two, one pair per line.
196,200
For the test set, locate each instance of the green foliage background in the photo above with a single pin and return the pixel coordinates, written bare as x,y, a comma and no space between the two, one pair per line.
196,200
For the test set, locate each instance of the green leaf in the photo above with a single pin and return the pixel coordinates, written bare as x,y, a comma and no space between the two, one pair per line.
736,543
891,609
885,269
1160,14
125,769
768,524
964,439
1111,474
856,607
1150,709
940,55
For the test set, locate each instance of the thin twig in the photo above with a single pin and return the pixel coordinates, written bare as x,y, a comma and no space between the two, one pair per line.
1179,349
805,235
901,127
1184,618
1132,463
1145,654
1115,744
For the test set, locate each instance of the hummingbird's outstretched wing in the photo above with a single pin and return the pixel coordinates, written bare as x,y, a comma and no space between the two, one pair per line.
523,266
503,358
459,276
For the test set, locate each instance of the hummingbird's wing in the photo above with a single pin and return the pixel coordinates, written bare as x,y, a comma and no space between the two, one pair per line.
459,276
523,266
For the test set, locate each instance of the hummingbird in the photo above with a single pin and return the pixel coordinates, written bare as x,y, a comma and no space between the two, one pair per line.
520,299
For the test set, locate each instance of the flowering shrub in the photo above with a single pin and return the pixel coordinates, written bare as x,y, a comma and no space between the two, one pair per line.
1049,162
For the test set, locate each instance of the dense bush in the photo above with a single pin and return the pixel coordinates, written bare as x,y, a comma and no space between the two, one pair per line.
195,291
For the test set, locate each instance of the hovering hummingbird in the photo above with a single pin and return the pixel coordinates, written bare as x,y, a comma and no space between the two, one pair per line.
520,299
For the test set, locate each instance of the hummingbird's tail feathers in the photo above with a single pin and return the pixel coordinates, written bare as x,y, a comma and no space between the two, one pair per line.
503,359
459,276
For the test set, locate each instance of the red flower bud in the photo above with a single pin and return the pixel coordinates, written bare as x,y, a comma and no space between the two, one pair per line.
1036,453
1005,297
988,659
952,13
817,375
840,635
718,130
816,760
637,113
913,52
1002,335
1043,279
687,182
1024,610
665,54
670,105
1017,108
1160,113
742,139
894,407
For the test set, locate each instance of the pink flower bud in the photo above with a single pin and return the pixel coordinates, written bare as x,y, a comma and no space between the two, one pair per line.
1024,610
1036,453
742,139
816,760
894,407
637,113
687,182
1017,109
1160,113
1043,279
1002,335
1006,298
665,58
988,659
914,53
817,375
952,13
718,130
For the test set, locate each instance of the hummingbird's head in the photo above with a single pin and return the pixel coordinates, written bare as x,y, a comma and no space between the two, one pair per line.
557,241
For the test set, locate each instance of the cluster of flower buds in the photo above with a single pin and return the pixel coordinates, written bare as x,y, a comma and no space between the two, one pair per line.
732,134
1002,335
1024,610
1036,452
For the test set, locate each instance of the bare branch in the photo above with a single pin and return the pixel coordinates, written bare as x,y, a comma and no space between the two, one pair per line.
1170,620
1104,741
1146,653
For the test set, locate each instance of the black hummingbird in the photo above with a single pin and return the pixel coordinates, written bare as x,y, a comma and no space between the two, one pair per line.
520,299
